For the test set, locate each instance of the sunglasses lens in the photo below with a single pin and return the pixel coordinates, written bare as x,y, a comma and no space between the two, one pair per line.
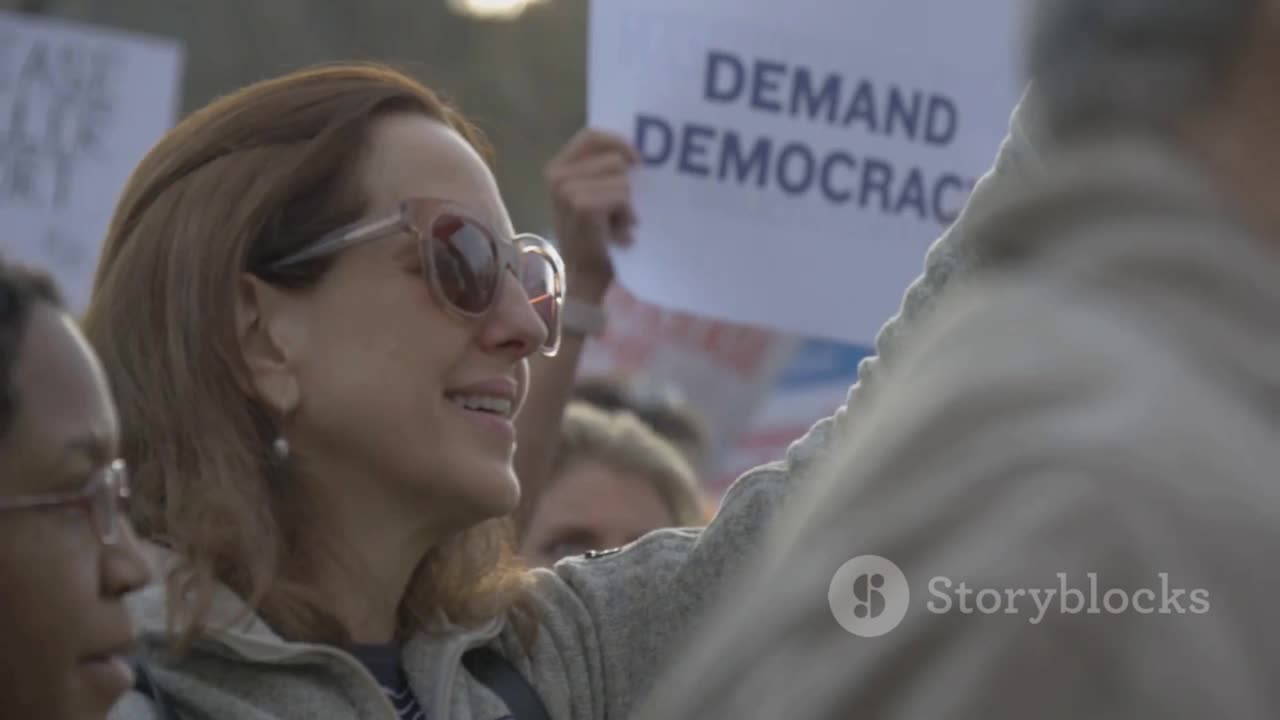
538,278
466,263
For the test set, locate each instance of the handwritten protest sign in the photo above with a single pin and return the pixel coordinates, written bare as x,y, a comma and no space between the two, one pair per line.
724,371
798,157
79,107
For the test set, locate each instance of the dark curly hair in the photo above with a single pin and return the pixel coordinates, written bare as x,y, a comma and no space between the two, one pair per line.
20,289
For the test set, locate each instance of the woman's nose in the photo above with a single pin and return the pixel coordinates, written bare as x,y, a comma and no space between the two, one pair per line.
125,568
514,326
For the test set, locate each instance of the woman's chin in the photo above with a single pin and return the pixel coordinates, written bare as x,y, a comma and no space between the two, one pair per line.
494,494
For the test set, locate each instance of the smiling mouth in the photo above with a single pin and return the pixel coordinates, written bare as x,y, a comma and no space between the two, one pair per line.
111,671
499,406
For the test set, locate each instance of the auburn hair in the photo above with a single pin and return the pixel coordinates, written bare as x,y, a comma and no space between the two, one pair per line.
250,178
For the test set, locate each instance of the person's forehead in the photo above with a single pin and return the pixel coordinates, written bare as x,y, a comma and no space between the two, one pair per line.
414,156
592,489
62,402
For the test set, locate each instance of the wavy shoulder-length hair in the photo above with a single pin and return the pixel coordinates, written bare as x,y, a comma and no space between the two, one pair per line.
248,179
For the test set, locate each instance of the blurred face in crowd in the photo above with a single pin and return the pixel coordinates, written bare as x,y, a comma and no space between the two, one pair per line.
406,406
62,604
592,506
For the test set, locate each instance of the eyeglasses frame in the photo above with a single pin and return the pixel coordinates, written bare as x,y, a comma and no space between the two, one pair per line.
404,220
112,480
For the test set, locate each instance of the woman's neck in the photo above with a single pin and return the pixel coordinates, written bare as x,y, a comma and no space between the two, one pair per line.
363,586
363,559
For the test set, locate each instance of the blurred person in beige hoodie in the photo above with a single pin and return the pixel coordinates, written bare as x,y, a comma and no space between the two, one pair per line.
1061,500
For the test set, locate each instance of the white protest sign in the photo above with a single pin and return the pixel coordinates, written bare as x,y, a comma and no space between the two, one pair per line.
79,107
723,371
799,157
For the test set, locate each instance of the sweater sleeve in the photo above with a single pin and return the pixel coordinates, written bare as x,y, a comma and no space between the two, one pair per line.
610,622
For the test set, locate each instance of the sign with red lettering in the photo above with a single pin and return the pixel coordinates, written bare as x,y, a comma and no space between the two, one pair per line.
721,369
812,385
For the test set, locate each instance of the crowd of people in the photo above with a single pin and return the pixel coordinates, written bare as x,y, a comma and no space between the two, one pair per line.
273,472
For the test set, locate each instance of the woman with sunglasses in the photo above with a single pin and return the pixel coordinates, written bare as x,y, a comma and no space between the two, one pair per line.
318,319
67,555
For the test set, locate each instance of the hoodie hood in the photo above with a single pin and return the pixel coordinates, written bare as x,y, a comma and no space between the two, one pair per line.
236,623
959,250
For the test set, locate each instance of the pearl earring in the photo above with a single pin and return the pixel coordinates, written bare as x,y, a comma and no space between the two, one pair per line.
281,448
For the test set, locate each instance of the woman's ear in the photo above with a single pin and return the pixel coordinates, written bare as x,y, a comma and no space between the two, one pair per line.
272,335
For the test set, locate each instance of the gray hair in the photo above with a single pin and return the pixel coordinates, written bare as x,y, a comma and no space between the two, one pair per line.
1132,63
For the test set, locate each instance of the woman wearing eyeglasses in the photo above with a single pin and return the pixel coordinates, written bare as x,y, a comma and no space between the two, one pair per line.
67,555
318,320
